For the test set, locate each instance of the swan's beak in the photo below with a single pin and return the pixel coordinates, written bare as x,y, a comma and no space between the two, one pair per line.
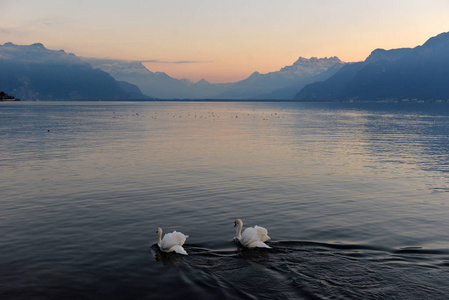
235,224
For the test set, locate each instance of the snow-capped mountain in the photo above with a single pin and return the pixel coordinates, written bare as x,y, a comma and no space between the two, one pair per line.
286,82
283,84
420,73
154,84
310,67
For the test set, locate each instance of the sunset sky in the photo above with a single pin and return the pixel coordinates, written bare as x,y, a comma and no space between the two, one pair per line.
222,41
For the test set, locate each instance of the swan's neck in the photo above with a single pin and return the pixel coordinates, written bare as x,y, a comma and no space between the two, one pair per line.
159,237
238,231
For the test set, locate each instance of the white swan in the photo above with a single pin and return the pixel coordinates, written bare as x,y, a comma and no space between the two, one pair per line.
252,236
172,241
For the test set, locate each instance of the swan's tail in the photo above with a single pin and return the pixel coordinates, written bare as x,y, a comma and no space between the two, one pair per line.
179,249
260,244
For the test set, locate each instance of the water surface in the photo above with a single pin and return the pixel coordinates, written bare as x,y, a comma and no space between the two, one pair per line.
355,198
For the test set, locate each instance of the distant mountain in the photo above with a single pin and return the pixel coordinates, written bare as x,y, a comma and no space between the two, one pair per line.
156,84
286,82
409,73
36,73
283,84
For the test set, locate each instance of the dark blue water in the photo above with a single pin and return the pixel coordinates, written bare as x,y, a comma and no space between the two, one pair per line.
354,196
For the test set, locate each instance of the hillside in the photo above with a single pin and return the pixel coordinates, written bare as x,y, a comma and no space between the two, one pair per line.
36,73
420,73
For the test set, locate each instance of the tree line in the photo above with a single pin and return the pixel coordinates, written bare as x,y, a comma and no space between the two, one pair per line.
4,96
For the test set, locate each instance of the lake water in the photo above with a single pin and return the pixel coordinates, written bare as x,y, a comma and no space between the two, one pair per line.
354,196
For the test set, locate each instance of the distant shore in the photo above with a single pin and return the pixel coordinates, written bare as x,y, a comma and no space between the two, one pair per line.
14,99
5,97
242,100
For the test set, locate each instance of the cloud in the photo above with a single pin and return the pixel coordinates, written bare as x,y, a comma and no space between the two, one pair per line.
176,62
51,22
5,31
28,28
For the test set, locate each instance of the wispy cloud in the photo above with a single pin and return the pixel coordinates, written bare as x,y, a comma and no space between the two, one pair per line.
51,23
176,62
5,31
28,28
11,31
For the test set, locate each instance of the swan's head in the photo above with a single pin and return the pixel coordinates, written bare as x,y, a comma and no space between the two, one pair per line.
238,222
159,230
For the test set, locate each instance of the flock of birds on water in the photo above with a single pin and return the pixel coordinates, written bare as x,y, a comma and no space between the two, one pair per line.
205,115
251,237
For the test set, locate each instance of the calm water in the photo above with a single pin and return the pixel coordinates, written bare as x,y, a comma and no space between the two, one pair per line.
354,196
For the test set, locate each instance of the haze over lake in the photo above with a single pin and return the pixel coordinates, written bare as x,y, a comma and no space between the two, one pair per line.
354,197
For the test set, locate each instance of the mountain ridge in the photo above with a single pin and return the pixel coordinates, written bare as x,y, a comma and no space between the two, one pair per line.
162,86
36,73
33,72
419,73
281,85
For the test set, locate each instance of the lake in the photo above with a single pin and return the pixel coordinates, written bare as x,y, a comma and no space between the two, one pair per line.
355,198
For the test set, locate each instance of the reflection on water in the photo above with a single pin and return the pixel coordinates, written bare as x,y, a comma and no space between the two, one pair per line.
299,269
168,259
353,195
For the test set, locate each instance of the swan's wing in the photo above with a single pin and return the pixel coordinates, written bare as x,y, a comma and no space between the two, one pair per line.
249,235
263,233
173,239
179,249
253,235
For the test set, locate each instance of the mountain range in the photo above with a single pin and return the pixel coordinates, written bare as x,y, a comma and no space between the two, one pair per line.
36,73
420,73
155,84
282,84
286,82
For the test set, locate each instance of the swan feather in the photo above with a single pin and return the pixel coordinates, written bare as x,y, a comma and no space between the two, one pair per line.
173,242
255,237
252,236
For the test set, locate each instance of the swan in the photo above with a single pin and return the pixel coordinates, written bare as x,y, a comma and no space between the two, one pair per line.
172,241
252,236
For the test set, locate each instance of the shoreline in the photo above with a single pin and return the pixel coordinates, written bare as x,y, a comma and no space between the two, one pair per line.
238,100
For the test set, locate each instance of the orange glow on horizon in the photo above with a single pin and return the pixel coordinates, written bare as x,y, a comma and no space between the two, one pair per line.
226,40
